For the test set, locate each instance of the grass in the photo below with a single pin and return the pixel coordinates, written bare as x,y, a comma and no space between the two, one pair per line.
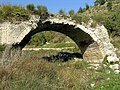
56,45
34,73
2,47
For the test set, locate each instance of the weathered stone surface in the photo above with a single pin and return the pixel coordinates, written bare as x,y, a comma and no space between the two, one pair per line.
93,42
94,54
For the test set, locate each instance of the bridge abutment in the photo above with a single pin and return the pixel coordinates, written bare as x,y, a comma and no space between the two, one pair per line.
93,54
10,53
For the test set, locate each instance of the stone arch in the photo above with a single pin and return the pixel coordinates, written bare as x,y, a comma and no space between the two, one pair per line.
84,40
94,42
67,30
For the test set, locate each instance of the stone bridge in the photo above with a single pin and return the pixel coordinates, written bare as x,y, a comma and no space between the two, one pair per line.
93,42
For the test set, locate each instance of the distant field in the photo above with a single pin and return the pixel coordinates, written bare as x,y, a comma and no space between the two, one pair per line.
54,45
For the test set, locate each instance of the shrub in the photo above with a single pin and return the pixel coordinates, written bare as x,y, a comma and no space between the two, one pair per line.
85,18
61,12
41,9
77,18
109,6
13,13
30,7
2,47
71,12
80,18
101,2
7,11
80,10
87,6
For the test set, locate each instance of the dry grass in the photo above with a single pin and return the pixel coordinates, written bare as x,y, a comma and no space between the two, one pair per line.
34,73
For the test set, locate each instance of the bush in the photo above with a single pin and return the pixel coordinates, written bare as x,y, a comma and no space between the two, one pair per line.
109,6
13,13
61,12
80,18
41,9
38,40
101,2
77,18
80,10
71,12
87,6
2,47
30,7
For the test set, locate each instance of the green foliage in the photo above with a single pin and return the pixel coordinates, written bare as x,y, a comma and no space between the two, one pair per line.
13,13
2,47
85,18
37,40
80,18
71,12
111,84
80,10
59,45
99,18
116,43
87,6
109,6
77,18
93,24
41,9
61,12
108,15
30,7
34,73
101,2
41,38
6,10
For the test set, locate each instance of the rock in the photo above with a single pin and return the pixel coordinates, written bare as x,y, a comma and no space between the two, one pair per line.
117,71
112,59
114,66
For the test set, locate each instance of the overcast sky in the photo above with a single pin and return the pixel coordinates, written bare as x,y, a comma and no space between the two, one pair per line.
53,5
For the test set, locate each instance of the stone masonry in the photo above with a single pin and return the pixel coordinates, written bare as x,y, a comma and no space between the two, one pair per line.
94,43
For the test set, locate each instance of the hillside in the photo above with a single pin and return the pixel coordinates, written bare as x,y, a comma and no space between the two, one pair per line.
61,70
107,14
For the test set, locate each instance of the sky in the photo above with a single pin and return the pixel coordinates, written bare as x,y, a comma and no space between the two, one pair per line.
53,5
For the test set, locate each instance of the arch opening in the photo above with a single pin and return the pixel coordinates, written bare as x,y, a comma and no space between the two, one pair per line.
55,46
81,38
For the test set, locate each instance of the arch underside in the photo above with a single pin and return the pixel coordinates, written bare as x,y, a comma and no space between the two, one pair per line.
88,47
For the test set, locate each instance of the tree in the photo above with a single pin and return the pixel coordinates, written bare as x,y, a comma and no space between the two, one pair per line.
87,6
61,12
38,39
41,9
30,7
97,2
71,12
80,10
